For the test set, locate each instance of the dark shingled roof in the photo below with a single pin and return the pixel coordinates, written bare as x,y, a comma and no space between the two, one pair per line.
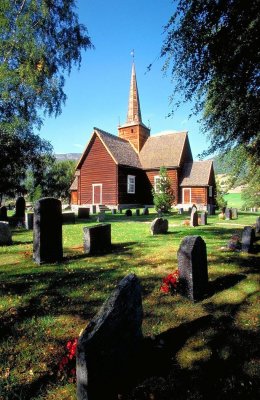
163,150
74,185
196,173
120,149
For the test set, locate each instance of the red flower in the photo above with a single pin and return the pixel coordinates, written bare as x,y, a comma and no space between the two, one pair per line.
170,282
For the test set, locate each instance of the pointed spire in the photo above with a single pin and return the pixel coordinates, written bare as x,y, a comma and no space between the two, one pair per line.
134,110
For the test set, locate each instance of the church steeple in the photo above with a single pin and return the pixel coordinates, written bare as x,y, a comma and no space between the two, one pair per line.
134,130
134,110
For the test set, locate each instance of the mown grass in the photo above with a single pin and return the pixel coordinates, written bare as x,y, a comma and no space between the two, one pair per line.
195,350
234,200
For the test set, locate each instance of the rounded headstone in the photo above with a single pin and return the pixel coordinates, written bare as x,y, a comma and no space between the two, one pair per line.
5,234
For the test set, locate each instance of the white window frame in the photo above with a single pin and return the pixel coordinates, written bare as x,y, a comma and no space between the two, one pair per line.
210,191
93,195
131,184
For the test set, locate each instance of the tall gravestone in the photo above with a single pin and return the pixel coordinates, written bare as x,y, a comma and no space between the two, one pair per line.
108,342
248,237
3,213
137,212
203,218
97,239
5,234
20,208
234,213
193,267
194,218
47,231
29,220
257,225
228,213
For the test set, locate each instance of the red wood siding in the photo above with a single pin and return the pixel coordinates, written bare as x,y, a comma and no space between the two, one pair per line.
74,197
173,175
143,188
199,195
98,167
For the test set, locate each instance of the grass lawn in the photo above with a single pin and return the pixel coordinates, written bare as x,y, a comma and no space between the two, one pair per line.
202,350
234,200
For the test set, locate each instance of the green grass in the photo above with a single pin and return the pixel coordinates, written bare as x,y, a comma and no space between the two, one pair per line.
234,200
199,350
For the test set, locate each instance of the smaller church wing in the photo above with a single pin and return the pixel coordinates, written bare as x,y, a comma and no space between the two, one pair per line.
197,173
163,150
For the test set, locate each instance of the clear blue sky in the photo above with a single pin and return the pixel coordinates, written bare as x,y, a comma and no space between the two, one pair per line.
97,93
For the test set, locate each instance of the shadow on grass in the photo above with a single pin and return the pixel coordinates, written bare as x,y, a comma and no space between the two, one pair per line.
223,283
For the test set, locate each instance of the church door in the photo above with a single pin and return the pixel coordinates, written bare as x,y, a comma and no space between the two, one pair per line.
97,193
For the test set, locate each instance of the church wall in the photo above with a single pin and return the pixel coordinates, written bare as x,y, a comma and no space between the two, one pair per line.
98,168
173,175
143,187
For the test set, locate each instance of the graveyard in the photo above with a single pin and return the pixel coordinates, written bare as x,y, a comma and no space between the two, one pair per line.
191,349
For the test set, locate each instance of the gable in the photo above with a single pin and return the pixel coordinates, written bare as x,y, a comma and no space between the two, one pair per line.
197,173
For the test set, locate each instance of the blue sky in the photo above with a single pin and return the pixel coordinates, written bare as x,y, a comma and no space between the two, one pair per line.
97,93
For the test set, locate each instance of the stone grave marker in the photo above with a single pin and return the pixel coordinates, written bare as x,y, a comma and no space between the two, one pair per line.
228,213
193,267
203,218
47,231
137,212
234,213
158,226
3,213
211,208
5,234
101,217
68,218
109,341
113,211
145,211
128,213
93,209
20,208
97,239
83,212
180,211
248,237
29,217
194,218
257,225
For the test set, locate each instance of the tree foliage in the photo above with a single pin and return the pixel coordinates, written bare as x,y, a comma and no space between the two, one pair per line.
40,40
163,196
212,50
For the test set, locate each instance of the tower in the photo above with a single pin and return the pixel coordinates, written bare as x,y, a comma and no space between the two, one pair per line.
134,130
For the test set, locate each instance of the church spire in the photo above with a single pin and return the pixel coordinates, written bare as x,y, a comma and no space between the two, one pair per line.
134,110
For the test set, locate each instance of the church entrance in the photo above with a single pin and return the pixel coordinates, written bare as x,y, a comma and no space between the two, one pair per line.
97,193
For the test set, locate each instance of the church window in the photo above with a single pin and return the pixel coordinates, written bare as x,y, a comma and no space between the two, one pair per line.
131,184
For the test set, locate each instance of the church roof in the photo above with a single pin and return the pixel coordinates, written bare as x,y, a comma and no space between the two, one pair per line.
134,110
196,173
163,150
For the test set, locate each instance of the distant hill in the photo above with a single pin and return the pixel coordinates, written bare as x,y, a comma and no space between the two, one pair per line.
68,156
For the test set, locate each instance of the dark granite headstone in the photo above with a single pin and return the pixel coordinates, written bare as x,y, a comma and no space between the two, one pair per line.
234,214
248,237
203,218
211,208
137,212
101,217
194,219
83,212
47,231
257,225
228,213
113,211
93,209
20,208
158,226
97,239
29,217
193,267
3,214
180,211
109,341
193,208
128,213
5,234
145,211
68,218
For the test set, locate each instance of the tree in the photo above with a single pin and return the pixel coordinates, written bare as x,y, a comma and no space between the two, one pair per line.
58,178
251,193
212,48
163,196
40,40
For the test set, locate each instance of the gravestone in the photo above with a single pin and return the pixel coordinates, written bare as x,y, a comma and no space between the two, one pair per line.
3,214
203,218
194,219
160,213
145,211
68,218
234,214
5,234
97,239
47,231
128,213
248,237
193,208
158,226
113,211
20,208
137,212
180,211
193,267
228,213
101,217
257,225
29,217
108,343
93,209
223,210
83,212
211,208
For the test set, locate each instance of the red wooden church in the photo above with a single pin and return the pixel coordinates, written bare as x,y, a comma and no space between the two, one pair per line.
120,171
